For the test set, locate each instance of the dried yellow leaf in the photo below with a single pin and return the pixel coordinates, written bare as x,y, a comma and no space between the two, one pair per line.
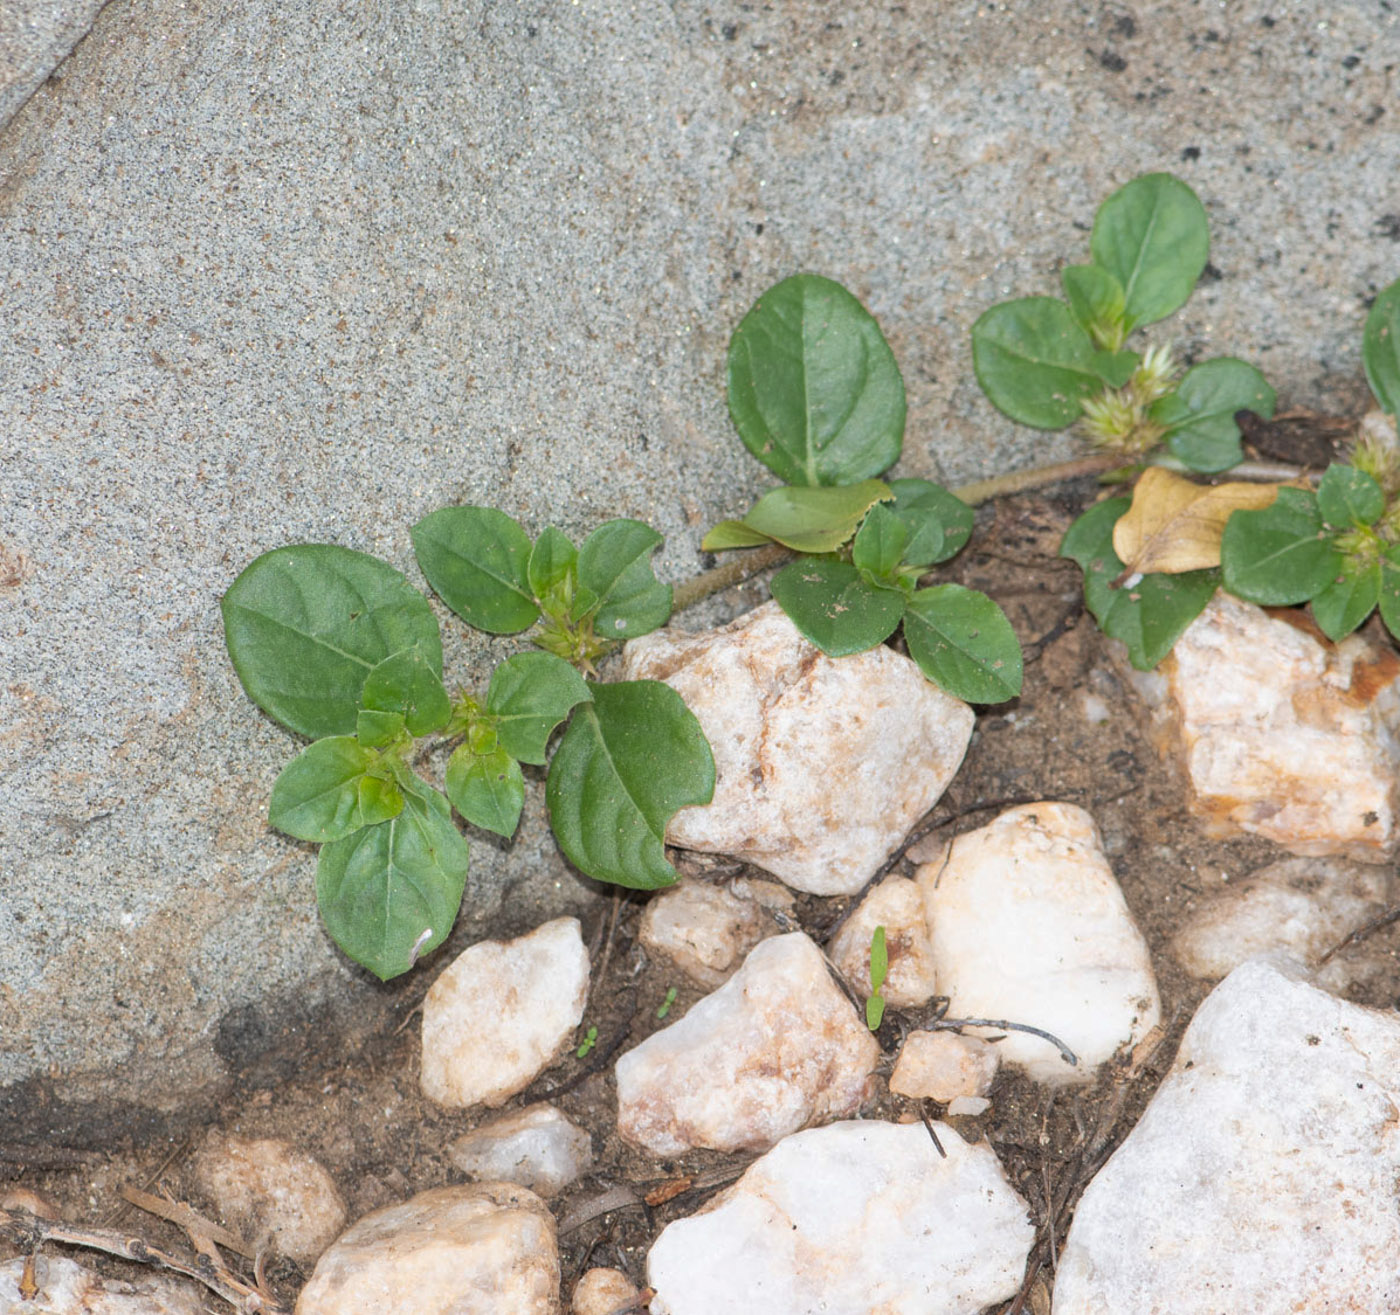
1175,525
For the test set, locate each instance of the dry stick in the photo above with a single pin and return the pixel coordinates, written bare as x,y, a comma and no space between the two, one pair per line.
191,1221
1361,933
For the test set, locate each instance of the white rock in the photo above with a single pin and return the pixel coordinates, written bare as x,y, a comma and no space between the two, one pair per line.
969,1106
1283,734
501,1013
261,1187
897,905
1262,1176
1029,926
481,1249
603,1292
1304,906
66,1288
774,1049
856,1218
822,764
942,1066
705,930
538,1147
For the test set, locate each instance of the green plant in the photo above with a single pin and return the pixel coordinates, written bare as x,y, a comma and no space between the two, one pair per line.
337,646
590,1040
816,395
879,971
665,1006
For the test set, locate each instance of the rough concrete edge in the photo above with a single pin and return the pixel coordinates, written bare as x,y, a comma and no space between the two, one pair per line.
37,47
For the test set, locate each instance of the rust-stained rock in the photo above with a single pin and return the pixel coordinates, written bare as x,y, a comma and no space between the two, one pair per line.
1281,733
822,764
897,906
776,1048
942,1066
705,930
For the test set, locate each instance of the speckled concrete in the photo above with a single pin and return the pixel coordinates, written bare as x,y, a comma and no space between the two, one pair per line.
281,272
36,36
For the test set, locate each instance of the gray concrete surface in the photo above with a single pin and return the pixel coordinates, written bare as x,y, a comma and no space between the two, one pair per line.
35,38
273,273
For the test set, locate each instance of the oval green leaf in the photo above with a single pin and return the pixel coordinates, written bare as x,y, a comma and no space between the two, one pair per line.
1380,348
306,624
629,760
1034,361
614,565
407,684
879,544
389,894
1096,299
1390,589
552,565
1347,601
529,695
939,522
1199,416
318,795
477,560
376,729
814,520
1347,497
1281,554
835,607
732,534
963,642
814,390
1152,235
487,789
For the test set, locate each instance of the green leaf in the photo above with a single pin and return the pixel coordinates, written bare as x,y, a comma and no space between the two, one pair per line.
1380,348
1199,417
1096,299
306,624
963,642
477,559
1390,589
1281,554
880,543
1116,368
317,796
732,534
627,762
530,694
1034,361
1153,236
814,520
376,729
879,959
614,565
1347,601
834,607
814,390
875,1012
939,523
487,789
1347,496
406,683
552,565
389,894
1150,616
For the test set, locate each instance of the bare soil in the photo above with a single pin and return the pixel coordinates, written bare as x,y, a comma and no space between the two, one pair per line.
365,1119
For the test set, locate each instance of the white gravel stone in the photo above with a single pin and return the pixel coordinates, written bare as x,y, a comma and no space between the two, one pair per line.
603,1292
776,1048
538,1147
704,929
856,1218
822,764
1283,734
66,1288
1030,926
942,1066
897,905
481,1249
501,1012
1303,906
1262,1176
264,1187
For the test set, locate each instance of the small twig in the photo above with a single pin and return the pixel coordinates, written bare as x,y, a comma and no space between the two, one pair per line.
194,1223
1361,933
1001,1024
44,1157
179,1152
932,1131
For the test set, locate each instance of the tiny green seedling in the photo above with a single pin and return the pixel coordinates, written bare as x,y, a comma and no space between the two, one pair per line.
879,971
590,1039
667,1002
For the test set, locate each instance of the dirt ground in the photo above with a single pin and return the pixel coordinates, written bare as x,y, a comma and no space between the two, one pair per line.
365,1119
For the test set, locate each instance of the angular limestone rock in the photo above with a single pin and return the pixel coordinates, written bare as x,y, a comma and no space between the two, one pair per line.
705,930
1281,733
896,905
822,764
501,1013
603,1292
774,1049
1262,1176
851,1219
943,1066
483,1249
538,1147
1030,926
264,1186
